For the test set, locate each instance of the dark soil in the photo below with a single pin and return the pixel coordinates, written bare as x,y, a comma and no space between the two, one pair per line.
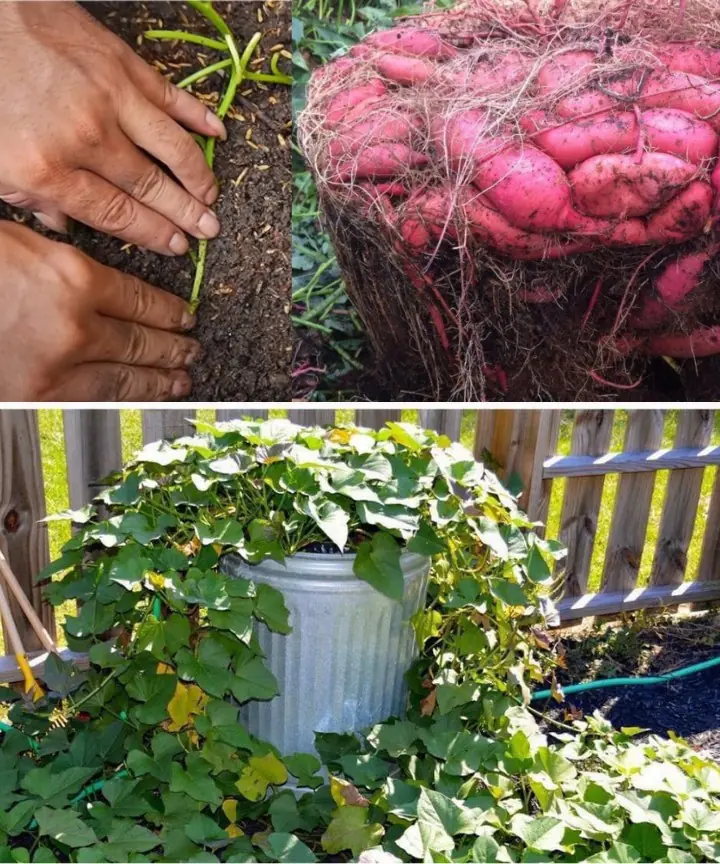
689,706
243,322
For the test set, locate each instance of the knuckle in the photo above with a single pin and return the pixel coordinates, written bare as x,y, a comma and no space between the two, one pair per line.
75,268
169,93
70,339
151,185
117,212
39,168
90,133
139,301
136,347
123,384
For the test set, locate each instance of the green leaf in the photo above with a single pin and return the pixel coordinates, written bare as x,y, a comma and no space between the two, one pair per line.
489,534
365,769
14,820
195,782
508,592
392,517
330,518
426,541
253,680
378,563
397,739
351,829
55,787
286,848
543,833
201,829
303,766
62,676
618,852
486,850
64,826
284,813
126,839
537,568
260,773
270,608
228,532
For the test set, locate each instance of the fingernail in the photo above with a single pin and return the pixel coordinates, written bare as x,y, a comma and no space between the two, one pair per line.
208,224
192,355
188,320
178,244
216,124
181,386
212,195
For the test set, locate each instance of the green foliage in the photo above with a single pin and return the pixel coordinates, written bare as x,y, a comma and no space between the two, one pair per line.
142,757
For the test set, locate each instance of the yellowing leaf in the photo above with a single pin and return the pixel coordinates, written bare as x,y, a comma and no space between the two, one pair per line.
164,669
218,547
229,808
258,774
340,436
344,793
234,831
155,579
184,705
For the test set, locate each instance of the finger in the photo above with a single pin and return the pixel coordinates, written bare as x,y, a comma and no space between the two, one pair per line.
134,345
158,134
177,103
53,219
128,298
113,382
94,201
130,170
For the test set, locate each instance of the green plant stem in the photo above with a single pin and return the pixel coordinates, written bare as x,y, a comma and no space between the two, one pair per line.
182,36
204,7
205,72
313,325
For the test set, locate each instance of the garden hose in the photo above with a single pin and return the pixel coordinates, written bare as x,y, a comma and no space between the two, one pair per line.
629,682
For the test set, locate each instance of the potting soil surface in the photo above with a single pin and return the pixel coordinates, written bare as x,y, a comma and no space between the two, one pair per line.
688,706
243,321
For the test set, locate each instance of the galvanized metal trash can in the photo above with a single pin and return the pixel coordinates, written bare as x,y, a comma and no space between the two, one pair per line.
342,667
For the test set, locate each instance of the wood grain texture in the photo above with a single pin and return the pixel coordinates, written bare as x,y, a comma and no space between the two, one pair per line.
223,414
709,569
446,421
656,597
583,495
312,416
632,505
634,462
681,503
10,674
375,418
23,538
167,423
93,449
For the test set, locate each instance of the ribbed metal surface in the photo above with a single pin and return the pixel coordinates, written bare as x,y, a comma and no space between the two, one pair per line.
341,669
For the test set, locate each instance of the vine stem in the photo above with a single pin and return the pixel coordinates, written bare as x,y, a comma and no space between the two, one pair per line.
183,36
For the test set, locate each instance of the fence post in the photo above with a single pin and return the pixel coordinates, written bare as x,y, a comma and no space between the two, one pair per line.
167,423
632,505
23,538
375,418
93,450
583,495
223,414
445,421
694,429
709,569
310,417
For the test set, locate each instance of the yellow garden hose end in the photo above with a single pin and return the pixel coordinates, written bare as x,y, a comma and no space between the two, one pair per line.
31,685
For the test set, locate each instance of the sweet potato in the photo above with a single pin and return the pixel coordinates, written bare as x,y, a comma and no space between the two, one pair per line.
702,342
574,142
408,71
684,217
680,134
565,69
383,126
678,280
339,105
464,138
695,59
617,186
591,101
413,42
379,162
498,74
684,91
531,190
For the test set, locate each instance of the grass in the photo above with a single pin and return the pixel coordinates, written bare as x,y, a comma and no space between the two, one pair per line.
56,490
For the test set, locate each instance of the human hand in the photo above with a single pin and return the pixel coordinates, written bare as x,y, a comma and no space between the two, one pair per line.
79,114
75,330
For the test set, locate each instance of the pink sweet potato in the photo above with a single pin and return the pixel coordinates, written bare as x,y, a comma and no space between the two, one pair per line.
684,91
408,71
684,217
498,74
379,162
565,69
574,142
702,342
383,126
695,59
339,105
464,138
591,101
680,134
413,42
678,280
617,186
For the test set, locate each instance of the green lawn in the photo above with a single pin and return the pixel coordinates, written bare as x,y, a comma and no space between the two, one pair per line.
54,471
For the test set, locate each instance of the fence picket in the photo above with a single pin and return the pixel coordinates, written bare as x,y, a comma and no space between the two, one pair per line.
93,449
223,414
709,569
632,505
446,422
694,429
375,418
312,417
24,539
167,423
583,495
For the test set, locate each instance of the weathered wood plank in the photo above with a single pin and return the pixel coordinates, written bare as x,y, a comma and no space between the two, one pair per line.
167,423
634,462
10,674
93,449
23,538
446,421
583,495
632,505
710,557
312,416
223,414
375,418
658,596
681,503
536,498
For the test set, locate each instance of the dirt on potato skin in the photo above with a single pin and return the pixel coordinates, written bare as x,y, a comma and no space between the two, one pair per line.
243,321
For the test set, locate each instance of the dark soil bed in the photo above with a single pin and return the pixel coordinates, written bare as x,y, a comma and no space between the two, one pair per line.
243,322
689,706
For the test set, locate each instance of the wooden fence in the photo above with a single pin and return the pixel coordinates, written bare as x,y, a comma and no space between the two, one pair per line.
523,443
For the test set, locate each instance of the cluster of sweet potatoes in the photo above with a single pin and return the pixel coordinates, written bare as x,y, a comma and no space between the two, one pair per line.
533,156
